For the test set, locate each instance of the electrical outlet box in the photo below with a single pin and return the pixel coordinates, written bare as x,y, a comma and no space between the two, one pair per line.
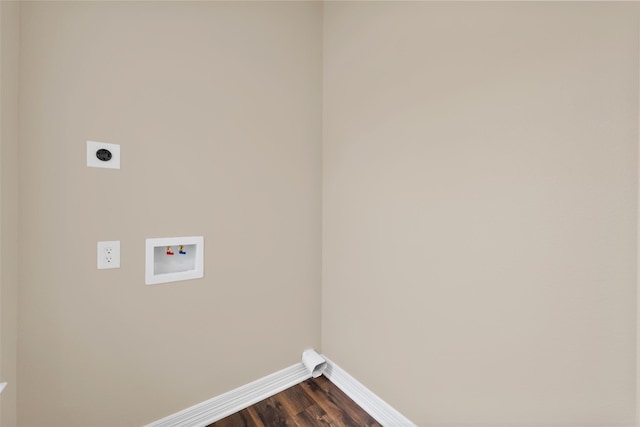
108,254
103,155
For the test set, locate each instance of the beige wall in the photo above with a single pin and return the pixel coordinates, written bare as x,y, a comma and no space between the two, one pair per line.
479,205
8,208
217,107
479,225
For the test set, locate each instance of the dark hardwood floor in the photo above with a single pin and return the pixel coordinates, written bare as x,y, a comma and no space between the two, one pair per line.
314,402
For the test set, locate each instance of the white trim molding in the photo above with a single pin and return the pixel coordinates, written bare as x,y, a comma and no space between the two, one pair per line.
235,400
222,406
384,413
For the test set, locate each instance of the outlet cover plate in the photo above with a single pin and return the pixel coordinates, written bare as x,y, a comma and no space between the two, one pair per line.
109,254
92,158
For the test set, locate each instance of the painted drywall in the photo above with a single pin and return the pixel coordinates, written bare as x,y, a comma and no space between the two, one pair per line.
217,108
479,197
8,209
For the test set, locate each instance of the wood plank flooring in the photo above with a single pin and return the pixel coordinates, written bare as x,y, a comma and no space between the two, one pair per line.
314,402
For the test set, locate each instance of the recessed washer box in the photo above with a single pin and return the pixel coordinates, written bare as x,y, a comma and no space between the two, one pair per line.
171,259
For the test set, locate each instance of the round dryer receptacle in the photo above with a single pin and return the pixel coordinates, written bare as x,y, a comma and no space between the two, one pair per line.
104,154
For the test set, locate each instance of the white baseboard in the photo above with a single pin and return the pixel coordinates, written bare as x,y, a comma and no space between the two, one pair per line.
384,413
215,409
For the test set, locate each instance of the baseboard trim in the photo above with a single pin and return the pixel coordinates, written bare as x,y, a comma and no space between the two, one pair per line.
384,413
221,406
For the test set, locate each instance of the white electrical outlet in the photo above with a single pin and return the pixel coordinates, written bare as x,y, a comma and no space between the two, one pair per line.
109,254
